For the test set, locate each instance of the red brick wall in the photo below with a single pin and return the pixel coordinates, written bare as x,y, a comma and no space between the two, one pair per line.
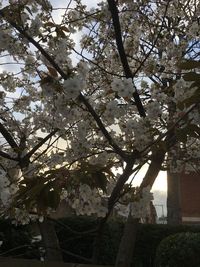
190,195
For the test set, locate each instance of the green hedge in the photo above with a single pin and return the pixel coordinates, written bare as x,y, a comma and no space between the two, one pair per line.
16,241
82,245
181,249
148,239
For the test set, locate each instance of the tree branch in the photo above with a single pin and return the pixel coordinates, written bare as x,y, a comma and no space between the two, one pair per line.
27,157
8,138
6,156
122,54
110,140
157,159
119,185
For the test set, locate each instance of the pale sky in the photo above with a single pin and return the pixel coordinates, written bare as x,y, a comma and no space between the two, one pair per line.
159,190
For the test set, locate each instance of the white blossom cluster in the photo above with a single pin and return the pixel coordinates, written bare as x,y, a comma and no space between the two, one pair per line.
4,188
124,88
140,132
86,201
73,87
139,208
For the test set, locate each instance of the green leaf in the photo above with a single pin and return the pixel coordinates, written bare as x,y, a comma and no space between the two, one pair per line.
92,175
195,84
193,130
189,64
195,98
181,135
30,192
49,24
100,180
53,199
48,198
191,76
52,71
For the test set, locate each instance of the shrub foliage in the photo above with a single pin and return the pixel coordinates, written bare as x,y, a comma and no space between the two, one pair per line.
181,249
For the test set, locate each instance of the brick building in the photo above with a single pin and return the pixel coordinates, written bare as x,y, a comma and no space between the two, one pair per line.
190,198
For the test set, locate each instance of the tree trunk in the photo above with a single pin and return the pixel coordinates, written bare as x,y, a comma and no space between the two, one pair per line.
173,199
127,244
50,241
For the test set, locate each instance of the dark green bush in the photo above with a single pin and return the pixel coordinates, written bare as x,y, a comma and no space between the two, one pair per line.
148,238
82,245
181,249
16,241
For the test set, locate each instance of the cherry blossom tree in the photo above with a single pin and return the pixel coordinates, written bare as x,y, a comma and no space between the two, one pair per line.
88,98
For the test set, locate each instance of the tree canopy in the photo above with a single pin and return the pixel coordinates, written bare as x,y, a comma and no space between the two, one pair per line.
91,91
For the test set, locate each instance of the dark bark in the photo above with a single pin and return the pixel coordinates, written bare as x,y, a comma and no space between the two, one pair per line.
119,185
50,241
157,159
111,202
173,199
127,244
8,137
